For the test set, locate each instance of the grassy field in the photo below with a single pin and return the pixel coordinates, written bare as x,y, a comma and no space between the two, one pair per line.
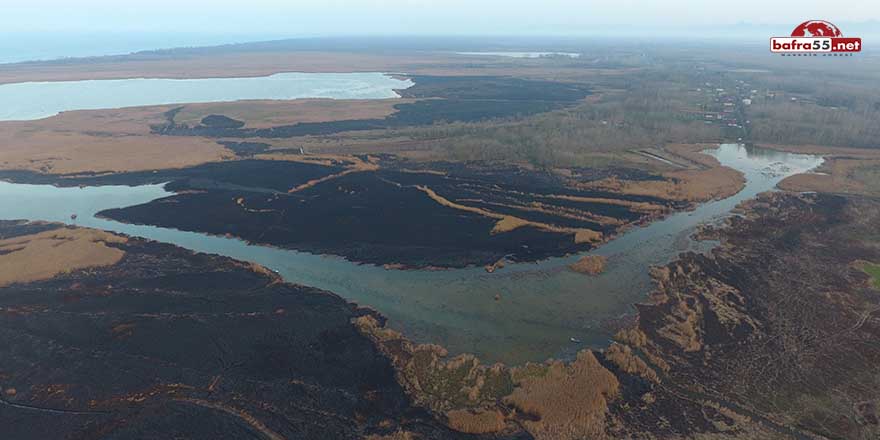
47,254
99,141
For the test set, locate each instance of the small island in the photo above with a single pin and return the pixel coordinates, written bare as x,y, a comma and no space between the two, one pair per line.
590,265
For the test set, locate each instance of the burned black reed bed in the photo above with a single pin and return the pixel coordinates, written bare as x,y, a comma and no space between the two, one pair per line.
168,343
440,99
386,216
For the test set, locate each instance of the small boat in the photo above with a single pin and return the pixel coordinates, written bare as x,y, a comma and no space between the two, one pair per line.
73,217
575,340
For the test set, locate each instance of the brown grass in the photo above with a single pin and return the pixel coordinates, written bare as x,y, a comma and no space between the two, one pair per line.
507,223
44,255
398,435
682,326
557,211
846,176
623,357
482,421
570,400
684,185
553,400
589,264
120,139
693,153
632,336
439,384
635,206
704,179
270,113
356,165
100,140
583,235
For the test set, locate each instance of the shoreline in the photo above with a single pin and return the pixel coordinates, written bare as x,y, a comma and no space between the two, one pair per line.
373,294
57,182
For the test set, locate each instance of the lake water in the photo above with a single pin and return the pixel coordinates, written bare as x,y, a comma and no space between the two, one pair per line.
523,54
36,100
542,304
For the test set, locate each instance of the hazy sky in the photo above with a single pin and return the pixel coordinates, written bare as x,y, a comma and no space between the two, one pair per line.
353,17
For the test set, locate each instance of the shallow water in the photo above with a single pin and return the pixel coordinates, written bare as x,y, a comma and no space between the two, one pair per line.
36,100
542,304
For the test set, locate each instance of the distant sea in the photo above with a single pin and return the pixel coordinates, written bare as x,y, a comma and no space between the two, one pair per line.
18,47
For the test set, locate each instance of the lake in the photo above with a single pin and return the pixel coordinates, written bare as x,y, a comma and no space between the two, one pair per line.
524,54
37,100
542,305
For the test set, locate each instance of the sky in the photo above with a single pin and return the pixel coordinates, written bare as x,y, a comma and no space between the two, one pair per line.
388,17
50,29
